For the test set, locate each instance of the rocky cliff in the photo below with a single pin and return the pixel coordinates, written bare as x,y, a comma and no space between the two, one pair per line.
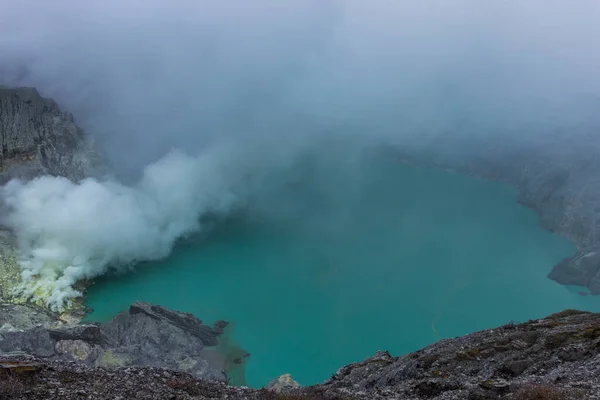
556,358
38,138
557,174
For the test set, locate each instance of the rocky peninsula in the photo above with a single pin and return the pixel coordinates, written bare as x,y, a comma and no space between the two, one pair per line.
155,353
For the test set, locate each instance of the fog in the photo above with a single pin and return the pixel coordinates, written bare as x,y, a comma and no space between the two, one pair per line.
148,77
142,76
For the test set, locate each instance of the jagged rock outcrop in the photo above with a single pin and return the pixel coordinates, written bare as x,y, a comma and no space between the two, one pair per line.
553,358
582,269
38,138
145,335
283,384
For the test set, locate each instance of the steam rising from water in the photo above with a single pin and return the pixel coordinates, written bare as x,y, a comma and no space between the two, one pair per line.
68,232
144,77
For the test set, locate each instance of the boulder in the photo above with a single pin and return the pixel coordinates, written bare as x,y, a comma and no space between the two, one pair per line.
283,384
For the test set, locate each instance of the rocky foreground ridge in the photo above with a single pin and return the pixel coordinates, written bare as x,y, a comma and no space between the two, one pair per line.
145,335
556,358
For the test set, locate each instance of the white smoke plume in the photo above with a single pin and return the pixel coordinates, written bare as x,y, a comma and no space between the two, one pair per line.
72,231
146,76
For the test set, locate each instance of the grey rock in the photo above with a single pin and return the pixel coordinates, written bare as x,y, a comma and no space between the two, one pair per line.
555,357
283,384
434,386
145,335
581,269
574,352
514,368
35,341
8,328
155,336
75,349
491,364
38,138
499,385
22,317
87,333
185,321
219,326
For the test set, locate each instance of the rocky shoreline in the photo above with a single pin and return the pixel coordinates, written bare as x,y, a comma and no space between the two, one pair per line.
145,335
556,176
556,358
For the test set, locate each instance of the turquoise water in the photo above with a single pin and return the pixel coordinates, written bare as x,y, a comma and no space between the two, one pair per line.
394,259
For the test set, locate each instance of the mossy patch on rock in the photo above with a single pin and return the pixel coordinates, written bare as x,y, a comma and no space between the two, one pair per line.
557,340
111,359
10,271
593,332
469,354
14,291
548,392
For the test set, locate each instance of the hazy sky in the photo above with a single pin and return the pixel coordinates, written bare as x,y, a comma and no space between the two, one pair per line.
148,74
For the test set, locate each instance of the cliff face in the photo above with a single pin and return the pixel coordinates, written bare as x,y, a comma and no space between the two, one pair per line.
557,175
556,358
38,138
561,181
